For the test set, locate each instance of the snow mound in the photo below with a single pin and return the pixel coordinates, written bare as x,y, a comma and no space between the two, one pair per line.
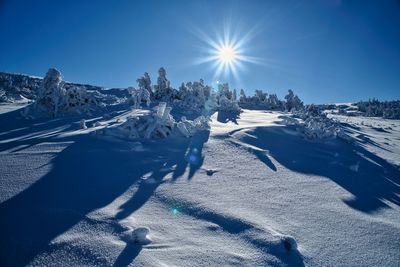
189,128
158,124
137,236
314,124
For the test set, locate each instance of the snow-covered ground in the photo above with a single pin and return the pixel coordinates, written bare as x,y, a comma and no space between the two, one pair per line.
250,192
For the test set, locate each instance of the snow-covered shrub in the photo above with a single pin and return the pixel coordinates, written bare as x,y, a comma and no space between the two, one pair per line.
82,124
293,102
51,96
158,124
314,124
189,128
78,100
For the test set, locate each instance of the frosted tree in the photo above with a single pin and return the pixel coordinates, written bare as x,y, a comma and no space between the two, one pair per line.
260,95
234,95
192,97
274,103
147,82
229,105
242,97
223,89
142,94
162,89
51,94
293,101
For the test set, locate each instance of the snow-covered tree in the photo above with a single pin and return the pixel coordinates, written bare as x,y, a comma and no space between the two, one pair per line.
162,89
192,97
242,98
234,95
143,94
293,101
51,94
225,99
147,82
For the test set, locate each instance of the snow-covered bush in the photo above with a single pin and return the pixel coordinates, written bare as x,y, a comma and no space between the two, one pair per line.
51,96
158,124
189,128
79,100
314,124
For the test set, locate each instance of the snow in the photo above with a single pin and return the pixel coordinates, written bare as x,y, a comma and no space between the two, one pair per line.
251,191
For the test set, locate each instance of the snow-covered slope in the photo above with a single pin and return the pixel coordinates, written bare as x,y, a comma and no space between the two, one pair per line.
250,192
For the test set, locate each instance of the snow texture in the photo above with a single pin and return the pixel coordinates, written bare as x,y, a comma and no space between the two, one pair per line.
249,188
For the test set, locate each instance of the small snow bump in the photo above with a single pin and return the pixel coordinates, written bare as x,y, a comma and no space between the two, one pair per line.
137,236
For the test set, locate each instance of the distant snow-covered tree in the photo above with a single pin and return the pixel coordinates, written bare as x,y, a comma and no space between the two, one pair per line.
376,108
293,101
162,89
192,97
143,93
225,99
234,95
147,82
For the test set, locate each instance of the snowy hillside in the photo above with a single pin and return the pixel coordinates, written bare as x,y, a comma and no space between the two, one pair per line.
249,192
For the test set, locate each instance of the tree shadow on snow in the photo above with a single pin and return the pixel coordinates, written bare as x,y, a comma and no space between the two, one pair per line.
87,175
371,179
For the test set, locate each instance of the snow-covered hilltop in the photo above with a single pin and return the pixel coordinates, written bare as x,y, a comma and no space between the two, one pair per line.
193,176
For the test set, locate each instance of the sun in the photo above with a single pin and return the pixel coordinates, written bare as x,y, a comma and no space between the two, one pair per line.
226,54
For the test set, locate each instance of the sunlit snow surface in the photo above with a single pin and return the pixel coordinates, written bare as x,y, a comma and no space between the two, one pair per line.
252,192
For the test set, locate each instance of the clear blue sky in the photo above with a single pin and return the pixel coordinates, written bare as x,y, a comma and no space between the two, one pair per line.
326,51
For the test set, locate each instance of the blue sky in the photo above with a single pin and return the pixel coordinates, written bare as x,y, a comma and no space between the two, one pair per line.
326,51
